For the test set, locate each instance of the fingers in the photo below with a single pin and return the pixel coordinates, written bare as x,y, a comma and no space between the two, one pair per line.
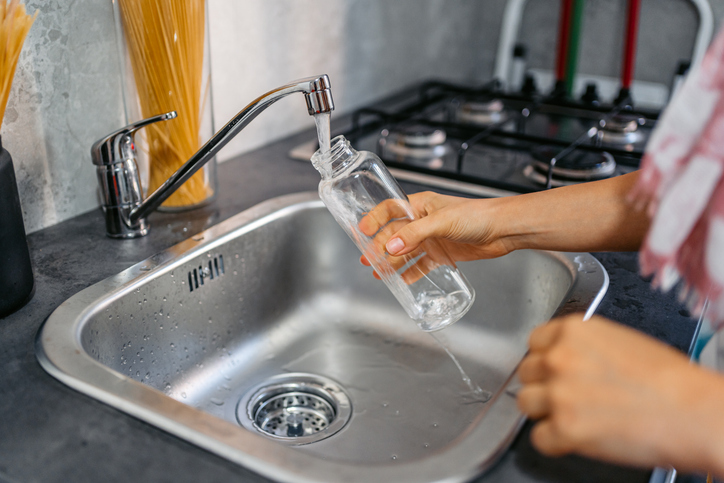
533,401
414,233
547,439
419,269
533,369
382,214
545,336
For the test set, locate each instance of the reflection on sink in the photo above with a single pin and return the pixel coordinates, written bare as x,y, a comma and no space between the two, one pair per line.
269,313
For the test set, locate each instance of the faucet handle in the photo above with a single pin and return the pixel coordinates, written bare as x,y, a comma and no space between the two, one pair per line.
118,145
119,180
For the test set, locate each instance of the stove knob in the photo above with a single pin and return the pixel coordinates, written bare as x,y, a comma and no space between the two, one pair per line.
590,97
529,88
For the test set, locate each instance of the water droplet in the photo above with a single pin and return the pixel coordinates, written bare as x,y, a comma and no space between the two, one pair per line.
164,299
384,405
183,395
218,402
434,425
426,445
394,456
148,375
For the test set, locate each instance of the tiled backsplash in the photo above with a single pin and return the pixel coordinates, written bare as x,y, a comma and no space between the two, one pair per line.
67,91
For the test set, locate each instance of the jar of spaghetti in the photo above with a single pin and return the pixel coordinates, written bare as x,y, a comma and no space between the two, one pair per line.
165,67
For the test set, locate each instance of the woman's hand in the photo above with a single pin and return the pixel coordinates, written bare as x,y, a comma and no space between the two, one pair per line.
593,216
464,227
606,391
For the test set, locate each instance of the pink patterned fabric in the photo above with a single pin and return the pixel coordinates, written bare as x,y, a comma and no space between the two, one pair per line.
681,185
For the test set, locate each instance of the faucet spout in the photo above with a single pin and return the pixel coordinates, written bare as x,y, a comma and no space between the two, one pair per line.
318,95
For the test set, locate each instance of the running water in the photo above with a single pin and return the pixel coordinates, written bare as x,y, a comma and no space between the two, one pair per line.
479,395
323,131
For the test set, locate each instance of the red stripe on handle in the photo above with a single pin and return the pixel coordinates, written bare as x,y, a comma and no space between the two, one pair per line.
629,54
564,28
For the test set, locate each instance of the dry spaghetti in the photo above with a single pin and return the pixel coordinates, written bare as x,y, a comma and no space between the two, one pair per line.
14,26
165,41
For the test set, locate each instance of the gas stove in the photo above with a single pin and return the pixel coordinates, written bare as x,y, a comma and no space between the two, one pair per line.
491,143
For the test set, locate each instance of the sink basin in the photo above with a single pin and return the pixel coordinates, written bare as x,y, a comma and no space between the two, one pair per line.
265,341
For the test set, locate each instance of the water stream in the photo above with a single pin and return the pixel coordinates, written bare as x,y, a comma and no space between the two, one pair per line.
323,131
478,394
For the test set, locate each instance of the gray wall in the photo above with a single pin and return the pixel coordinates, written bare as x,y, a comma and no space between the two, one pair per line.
67,90
666,34
66,94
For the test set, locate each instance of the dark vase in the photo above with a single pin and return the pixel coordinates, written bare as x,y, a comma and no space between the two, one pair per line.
16,273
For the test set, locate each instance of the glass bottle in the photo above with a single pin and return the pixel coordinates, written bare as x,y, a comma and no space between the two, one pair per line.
370,206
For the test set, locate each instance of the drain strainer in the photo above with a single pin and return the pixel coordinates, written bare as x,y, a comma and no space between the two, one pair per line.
295,408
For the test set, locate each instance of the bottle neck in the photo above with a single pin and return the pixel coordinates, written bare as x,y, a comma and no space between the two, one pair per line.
337,159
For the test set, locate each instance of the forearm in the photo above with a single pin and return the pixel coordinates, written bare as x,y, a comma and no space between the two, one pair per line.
592,216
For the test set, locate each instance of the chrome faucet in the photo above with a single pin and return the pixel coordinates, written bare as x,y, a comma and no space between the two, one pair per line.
115,158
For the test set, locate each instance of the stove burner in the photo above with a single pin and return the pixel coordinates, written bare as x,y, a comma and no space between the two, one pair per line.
622,129
482,113
416,144
574,167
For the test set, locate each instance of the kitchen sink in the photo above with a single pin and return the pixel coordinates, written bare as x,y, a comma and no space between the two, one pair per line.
264,340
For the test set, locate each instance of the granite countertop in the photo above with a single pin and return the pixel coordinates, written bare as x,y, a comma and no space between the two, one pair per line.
49,432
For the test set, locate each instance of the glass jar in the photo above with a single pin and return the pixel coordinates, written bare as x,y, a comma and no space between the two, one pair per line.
370,206
164,51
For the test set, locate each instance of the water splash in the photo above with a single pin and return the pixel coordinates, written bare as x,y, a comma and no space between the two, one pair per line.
477,394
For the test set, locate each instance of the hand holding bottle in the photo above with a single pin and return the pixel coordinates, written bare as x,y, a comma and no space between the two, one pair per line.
589,217
464,227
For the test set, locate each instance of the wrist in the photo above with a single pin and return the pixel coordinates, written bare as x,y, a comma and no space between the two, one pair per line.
709,406
699,446
513,228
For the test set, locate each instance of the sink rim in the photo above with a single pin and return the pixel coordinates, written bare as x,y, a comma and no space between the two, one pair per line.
60,353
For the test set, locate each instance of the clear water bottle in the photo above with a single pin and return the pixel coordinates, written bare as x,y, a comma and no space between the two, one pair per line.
370,206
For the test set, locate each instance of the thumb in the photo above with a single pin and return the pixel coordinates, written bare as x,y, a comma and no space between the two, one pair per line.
409,237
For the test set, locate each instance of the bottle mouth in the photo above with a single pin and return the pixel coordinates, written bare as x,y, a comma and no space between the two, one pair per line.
334,160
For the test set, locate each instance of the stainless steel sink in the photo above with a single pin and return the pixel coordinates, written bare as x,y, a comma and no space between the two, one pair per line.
265,341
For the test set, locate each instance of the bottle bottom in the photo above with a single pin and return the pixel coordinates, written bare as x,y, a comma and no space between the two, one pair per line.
437,300
439,311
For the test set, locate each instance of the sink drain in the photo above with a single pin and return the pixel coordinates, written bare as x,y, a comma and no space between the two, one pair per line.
295,408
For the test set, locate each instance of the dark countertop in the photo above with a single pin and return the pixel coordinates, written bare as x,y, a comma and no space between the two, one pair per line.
49,432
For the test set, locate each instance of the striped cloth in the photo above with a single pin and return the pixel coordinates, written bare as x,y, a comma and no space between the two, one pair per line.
682,187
